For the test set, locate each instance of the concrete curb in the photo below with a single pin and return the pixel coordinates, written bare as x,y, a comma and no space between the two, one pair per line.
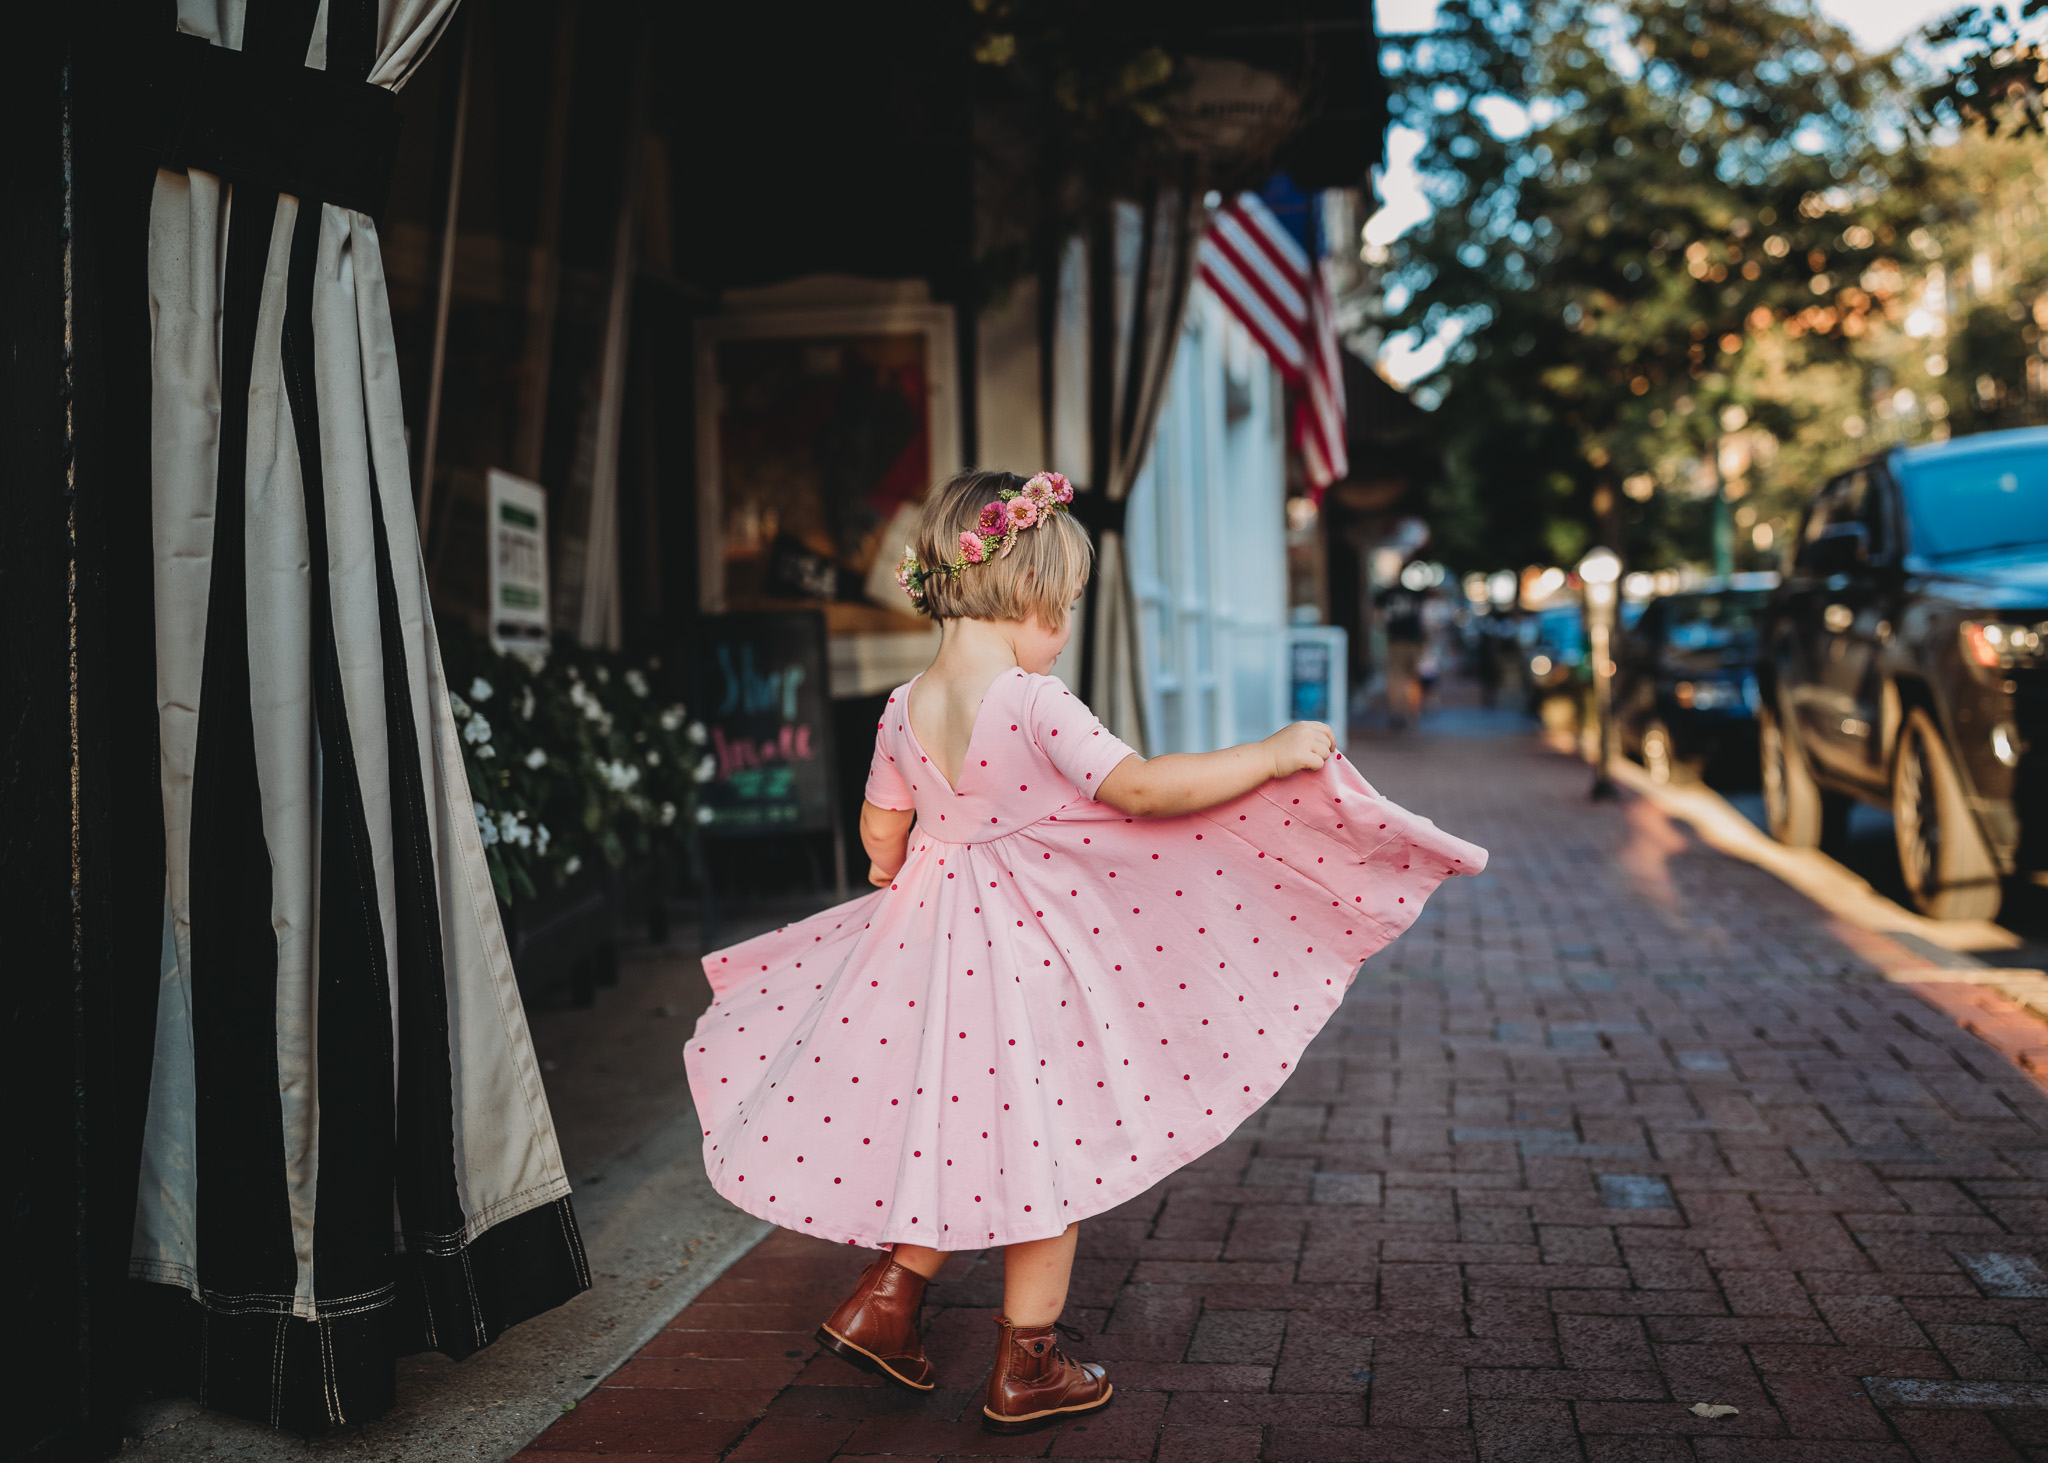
1910,942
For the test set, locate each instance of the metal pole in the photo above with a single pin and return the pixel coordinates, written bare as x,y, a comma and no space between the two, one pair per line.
431,433
544,279
1600,574
598,624
1602,625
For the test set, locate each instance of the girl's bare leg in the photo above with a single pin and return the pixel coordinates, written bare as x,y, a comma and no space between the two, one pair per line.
918,1258
1035,1276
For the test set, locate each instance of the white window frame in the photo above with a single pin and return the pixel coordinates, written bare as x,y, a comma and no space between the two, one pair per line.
1207,543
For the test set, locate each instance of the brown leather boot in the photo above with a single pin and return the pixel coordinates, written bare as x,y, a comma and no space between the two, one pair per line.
875,1328
1035,1384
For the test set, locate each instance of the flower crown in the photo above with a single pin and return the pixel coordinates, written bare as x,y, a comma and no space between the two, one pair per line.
995,532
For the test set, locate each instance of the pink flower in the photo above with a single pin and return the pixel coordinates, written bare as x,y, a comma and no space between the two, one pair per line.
1023,512
993,519
971,547
1039,490
1062,490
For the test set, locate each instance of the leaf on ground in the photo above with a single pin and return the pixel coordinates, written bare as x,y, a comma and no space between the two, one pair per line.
1714,1409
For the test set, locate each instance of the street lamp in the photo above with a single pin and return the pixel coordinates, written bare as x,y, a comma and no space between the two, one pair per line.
1600,573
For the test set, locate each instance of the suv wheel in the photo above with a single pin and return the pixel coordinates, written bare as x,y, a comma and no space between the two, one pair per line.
1947,866
1793,804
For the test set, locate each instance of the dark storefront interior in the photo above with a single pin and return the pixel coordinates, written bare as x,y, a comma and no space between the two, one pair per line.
623,168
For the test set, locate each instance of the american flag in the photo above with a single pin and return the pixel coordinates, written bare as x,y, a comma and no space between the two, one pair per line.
1263,274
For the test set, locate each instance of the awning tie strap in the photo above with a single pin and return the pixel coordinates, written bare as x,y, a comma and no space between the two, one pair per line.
312,134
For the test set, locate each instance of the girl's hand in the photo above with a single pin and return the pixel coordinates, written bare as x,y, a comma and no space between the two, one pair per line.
1304,746
878,876
1187,782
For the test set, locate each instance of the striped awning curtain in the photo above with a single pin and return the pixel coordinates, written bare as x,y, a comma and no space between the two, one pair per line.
1140,265
340,1050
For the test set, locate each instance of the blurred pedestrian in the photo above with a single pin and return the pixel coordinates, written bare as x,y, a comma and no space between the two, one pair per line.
1401,616
1487,654
972,1092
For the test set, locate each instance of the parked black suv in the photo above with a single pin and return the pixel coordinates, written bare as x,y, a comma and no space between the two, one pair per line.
1904,661
1685,689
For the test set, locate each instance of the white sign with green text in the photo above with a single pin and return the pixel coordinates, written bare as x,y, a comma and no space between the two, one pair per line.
519,564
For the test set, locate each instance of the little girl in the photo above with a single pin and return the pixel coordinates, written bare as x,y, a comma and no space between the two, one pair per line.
1081,970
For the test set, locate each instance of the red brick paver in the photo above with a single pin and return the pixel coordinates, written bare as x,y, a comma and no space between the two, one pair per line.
1621,1127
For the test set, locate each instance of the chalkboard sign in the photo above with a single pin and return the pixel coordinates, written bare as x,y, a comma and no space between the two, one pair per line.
762,694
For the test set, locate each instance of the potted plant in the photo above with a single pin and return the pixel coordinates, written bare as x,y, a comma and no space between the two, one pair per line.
583,772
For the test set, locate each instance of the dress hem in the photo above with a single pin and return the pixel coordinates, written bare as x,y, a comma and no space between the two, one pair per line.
1215,1131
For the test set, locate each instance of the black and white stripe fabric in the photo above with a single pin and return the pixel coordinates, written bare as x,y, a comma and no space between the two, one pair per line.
348,1152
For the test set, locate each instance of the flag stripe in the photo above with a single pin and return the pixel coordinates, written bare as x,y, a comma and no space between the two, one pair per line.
1245,290
1287,250
1275,336
1282,296
1287,288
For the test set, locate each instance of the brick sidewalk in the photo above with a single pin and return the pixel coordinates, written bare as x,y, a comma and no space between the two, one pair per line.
1621,1127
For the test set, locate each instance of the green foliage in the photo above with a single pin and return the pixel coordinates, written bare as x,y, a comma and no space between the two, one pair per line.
583,762
1996,83
1683,179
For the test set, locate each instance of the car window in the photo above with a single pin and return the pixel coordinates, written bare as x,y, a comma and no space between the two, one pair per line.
1860,502
1714,621
1825,513
1974,502
1877,517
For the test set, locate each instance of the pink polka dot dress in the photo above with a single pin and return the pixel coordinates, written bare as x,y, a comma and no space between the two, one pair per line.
1053,1006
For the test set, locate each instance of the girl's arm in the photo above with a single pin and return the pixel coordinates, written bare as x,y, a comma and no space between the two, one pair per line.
885,834
1187,782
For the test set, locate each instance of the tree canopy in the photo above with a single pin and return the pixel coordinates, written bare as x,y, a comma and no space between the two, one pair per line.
1652,218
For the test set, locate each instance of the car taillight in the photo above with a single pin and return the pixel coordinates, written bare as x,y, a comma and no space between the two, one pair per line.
1997,646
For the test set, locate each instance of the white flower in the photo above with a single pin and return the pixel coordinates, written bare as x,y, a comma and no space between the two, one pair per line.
480,690
636,683
706,769
668,814
653,758
573,865
540,838
459,706
526,705
589,705
512,829
697,734
618,776
478,731
672,717
485,826
536,759
603,674
486,752
704,814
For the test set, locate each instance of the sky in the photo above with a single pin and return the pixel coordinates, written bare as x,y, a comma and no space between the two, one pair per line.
1876,25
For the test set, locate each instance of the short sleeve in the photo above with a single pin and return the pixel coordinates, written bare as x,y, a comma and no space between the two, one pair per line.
887,787
1066,731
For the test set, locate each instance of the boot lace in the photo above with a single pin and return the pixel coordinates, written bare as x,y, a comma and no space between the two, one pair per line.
1073,1336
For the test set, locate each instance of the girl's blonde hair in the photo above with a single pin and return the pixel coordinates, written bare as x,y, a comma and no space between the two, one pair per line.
1045,570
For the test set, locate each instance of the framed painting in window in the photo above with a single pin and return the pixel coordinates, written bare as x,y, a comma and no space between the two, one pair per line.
818,433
